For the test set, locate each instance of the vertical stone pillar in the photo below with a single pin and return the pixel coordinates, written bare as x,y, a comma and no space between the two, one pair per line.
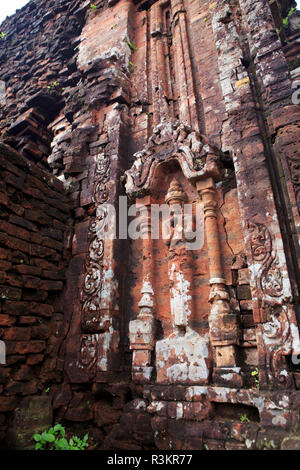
160,91
141,330
283,121
223,324
272,296
187,107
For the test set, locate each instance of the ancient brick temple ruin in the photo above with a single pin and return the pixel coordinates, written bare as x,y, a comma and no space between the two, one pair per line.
143,342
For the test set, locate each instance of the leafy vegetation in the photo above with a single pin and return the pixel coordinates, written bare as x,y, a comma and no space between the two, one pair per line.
52,85
244,418
131,45
93,6
3,35
54,439
285,21
255,374
55,86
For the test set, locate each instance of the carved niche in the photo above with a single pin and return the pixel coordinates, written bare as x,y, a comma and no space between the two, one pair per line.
183,356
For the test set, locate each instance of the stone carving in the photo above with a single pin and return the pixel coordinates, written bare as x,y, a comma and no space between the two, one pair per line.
277,337
88,351
223,323
294,166
182,357
179,286
101,185
278,341
91,289
268,278
173,140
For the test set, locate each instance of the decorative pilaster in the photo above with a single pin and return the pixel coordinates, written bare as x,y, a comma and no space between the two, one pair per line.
223,324
141,330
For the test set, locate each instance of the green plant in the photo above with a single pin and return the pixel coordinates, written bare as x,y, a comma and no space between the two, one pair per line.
244,418
278,31
255,374
131,66
54,439
47,390
52,85
55,85
285,21
2,35
93,6
131,45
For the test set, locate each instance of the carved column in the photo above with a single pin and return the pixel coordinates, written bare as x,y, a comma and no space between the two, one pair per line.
141,330
223,324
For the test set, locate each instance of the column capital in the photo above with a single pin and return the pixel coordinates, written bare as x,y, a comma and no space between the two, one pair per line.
205,184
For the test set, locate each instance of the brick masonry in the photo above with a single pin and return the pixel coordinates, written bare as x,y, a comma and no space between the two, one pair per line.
142,343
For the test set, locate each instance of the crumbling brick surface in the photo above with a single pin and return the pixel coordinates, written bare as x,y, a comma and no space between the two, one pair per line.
34,226
140,342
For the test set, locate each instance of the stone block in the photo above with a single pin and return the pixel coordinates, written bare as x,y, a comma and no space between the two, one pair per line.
290,443
33,415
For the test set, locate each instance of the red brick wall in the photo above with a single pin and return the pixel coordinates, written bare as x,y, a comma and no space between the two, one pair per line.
34,223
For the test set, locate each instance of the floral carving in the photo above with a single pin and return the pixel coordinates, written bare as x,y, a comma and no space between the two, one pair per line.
92,284
269,278
277,338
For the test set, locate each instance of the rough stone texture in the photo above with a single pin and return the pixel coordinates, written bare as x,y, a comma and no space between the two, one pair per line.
35,215
142,343
34,415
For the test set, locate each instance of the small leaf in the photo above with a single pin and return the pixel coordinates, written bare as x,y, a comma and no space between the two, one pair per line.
37,437
62,444
49,437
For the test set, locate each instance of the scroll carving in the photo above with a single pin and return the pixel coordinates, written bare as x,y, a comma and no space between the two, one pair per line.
269,278
92,284
294,166
278,340
88,351
277,334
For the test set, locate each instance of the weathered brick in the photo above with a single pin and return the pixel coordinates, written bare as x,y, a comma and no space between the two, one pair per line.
7,403
7,320
17,334
51,285
29,270
15,308
11,293
243,292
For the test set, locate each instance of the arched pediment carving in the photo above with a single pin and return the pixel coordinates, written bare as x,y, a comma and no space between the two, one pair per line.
173,140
